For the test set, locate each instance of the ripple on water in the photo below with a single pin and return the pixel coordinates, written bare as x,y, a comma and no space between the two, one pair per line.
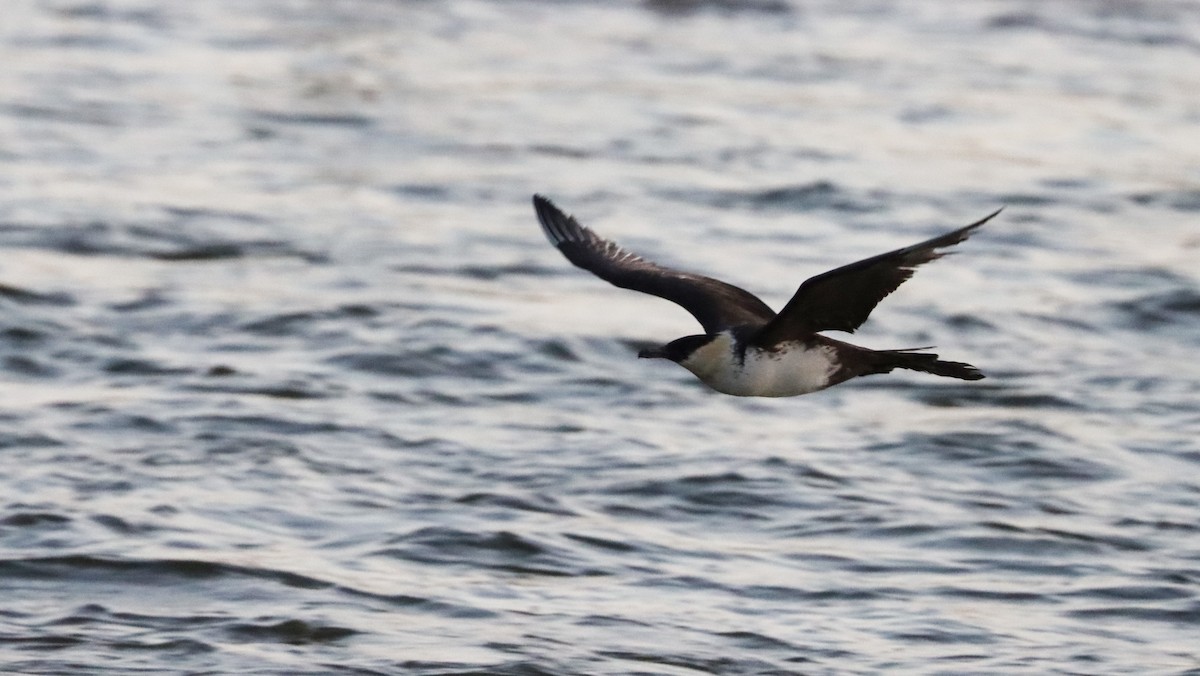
542,504
501,550
29,297
1181,200
817,195
291,632
182,239
304,322
1156,311
1017,450
728,495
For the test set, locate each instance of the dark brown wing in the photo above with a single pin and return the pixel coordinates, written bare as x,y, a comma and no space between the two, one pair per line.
842,299
715,304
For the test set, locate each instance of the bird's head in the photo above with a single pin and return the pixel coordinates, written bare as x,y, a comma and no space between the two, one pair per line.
678,350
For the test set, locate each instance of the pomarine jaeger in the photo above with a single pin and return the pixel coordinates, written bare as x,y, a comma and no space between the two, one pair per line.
746,349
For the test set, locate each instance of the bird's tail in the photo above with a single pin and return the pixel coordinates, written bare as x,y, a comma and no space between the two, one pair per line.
886,360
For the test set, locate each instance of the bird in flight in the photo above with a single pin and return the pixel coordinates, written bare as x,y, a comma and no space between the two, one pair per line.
747,349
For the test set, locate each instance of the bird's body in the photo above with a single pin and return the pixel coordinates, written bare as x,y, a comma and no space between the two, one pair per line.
792,368
749,350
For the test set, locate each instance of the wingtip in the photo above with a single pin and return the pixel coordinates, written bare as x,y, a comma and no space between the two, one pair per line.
987,218
556,225
964,232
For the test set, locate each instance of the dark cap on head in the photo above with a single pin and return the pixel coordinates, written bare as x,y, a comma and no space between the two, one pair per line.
677,350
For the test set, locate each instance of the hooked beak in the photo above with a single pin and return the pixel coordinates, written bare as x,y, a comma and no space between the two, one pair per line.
652,353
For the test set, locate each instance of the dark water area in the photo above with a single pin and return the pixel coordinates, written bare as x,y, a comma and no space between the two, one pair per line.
291,383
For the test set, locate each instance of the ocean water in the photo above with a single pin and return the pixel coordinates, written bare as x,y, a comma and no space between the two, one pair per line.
291,383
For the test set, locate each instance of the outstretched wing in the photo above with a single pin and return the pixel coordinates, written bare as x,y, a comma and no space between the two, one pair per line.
842,299
715,304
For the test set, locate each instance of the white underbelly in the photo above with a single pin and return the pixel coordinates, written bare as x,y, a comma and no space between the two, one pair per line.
782,373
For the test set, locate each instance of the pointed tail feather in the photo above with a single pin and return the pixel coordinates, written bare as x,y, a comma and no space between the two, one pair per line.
886,360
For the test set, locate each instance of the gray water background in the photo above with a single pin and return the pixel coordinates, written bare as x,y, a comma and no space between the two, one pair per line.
290,382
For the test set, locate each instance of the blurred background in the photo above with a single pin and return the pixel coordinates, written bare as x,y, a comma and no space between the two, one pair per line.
291,383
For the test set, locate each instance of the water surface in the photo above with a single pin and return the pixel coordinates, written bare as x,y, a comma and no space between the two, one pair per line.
291,383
